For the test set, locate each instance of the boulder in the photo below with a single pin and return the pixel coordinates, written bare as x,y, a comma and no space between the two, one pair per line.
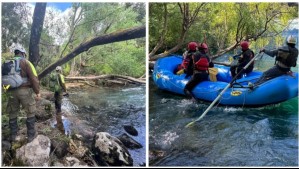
35,153
129,142
110,150
131,130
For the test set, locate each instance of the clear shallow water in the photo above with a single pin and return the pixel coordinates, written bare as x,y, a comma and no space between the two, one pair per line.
109,109
226,136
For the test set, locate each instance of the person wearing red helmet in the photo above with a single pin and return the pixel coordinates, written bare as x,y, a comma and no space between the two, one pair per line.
199,64
203,46
191,49
245,57
286,57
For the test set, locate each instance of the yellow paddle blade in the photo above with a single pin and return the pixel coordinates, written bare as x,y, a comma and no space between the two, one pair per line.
212,74
180,72
213,70
189,124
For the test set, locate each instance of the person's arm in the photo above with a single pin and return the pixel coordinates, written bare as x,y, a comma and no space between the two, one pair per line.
62,82
32,76
271,53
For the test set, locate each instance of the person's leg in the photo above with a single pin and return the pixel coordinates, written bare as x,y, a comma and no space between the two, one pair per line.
29,104
195,80
233,71
13,109
58,102
269,74
239,69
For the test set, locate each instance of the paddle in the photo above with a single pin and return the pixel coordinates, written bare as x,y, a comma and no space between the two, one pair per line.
221,93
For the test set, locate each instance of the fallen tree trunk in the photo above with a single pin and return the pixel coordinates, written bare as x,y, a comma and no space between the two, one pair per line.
127,78
123,35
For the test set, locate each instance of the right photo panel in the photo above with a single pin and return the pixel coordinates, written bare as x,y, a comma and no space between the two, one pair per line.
223,84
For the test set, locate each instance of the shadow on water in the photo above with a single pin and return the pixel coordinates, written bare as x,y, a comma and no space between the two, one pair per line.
108,110
226,136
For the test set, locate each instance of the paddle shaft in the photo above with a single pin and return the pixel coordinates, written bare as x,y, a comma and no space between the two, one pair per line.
221,93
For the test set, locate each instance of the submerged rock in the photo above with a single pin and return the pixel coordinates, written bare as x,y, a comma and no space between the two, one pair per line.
74,162
129,142
35,153
110,150
131,130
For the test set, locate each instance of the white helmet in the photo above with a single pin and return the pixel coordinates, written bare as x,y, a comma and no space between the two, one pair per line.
20,49
58,68
291,39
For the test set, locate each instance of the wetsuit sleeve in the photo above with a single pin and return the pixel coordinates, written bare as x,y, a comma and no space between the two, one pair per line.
32,76
62,82
271,53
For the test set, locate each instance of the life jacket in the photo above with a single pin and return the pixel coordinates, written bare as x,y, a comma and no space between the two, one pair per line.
186,60
202,63
11,73
287,56
246,57
54,83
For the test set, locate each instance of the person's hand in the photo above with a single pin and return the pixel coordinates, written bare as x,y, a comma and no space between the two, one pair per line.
38,96
66,94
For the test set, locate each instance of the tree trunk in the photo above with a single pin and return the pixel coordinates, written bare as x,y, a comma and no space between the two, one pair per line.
161,41
131,79
36,30
127,34
188,20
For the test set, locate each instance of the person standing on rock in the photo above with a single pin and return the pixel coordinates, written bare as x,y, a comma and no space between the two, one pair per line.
20,79
57,85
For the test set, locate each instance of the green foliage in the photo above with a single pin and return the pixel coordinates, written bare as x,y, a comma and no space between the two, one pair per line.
66,68
92,20
14,25
122,58
223,24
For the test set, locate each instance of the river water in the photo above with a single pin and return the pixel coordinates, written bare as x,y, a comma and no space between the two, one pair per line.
226,136
108,110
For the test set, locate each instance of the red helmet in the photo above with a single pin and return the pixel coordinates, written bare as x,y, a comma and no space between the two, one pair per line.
192,46
202,46
244,45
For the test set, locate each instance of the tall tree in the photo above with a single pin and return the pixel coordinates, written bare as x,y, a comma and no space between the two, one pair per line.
14,25
224,24
36,31
188,17
163,33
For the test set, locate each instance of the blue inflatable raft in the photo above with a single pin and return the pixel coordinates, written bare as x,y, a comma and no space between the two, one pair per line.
273,91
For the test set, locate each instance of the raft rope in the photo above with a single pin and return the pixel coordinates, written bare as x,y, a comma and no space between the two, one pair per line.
216,91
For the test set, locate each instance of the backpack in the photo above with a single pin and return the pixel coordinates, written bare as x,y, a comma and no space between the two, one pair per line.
11,73
287,56
54,84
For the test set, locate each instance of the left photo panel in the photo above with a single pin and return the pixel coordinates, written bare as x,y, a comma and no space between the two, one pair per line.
73,84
